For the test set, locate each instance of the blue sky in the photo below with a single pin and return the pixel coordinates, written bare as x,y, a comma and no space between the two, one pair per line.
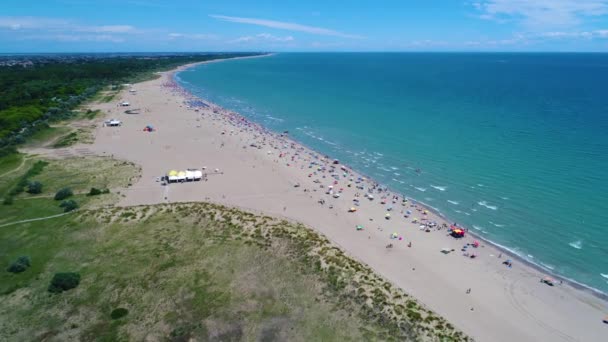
303,25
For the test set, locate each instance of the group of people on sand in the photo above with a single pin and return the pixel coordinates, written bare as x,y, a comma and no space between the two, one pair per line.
327,176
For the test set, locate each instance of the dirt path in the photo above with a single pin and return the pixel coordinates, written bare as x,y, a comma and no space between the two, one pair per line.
36,219
15,169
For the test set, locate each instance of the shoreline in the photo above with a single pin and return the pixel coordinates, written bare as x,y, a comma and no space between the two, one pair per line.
504,249
510,304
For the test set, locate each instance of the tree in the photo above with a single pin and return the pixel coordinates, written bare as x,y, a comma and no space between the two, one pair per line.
63,194
68,205
21,264
94,192
64,281
34,187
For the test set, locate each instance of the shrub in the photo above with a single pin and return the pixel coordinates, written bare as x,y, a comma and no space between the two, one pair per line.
64,281
63,194
34,187
21,264
8,200
94,192
68,205
119,313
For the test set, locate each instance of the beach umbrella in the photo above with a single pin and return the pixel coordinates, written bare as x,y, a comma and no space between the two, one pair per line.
359,227
352,209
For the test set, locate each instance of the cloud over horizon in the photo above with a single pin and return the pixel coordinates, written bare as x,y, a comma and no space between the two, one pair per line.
541,13
281,25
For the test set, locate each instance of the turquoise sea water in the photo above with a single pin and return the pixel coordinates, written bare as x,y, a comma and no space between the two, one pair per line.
514,146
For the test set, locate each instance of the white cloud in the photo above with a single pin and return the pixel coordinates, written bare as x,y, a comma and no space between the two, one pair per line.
30,23
285,26
541,13
263,37
108,29
63,30
193,36
601,34
75,38
53,24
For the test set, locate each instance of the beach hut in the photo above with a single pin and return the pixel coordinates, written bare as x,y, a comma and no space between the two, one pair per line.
172,176
189,175
181,176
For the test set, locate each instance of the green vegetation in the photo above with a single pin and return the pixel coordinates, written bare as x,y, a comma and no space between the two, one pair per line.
63,193
53,87
34,187
119,313
64,281
23,181
9,163
95,192
77,174
20,265
191,271
68,205
202,272
66,140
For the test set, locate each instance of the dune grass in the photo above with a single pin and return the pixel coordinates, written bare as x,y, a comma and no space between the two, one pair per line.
192,271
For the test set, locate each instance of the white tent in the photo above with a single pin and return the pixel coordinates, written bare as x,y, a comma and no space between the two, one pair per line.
125,104
183,176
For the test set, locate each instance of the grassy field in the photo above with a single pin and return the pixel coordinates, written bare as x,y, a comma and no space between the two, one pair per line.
78,174
10,162
185,272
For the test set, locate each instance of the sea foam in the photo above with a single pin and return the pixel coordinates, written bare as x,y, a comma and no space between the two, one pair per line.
485,204
440,188
578,244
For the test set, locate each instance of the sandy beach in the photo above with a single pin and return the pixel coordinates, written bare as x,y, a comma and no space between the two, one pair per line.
249,167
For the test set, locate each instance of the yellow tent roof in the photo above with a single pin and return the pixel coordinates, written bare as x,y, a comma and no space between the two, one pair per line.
181,173
172,173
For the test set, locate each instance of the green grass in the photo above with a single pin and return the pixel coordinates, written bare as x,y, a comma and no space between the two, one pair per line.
176,281
90,114
79,174
10,162
66,140
46,135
